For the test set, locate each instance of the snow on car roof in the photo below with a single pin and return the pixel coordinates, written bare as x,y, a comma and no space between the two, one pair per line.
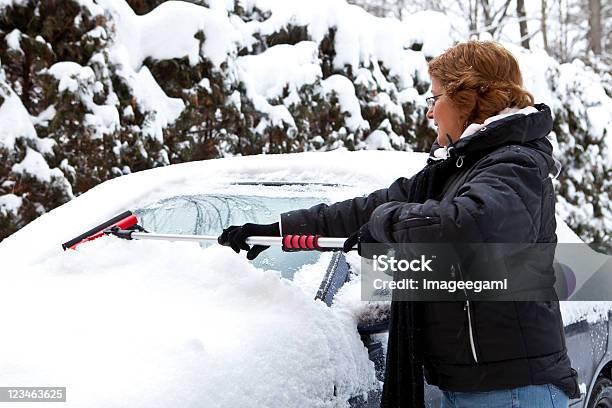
364,170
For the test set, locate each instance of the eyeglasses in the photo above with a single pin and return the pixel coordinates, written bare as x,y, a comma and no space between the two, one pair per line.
431,101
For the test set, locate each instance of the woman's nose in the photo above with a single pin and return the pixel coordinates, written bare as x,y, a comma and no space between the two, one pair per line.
430,112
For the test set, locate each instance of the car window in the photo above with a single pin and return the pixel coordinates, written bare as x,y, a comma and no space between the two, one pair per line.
208,214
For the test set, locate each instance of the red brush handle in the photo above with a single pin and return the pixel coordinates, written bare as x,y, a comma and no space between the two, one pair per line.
301,242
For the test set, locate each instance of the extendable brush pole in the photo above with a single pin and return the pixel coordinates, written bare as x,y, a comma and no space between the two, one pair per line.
125,226
301,242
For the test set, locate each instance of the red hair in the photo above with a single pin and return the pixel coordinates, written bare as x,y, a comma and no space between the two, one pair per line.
481,78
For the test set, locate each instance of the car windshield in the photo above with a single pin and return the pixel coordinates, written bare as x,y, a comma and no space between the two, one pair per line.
208,214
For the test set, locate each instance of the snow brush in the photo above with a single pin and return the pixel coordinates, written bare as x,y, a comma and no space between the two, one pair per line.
125,226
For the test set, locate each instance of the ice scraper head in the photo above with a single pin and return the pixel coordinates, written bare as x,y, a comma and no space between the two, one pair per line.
124,220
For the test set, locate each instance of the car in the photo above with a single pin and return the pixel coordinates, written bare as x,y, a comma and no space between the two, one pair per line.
337,334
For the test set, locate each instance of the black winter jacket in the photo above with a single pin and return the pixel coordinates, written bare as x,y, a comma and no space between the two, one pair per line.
505,196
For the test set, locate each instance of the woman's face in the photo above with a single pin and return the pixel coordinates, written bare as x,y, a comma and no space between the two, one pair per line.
446,116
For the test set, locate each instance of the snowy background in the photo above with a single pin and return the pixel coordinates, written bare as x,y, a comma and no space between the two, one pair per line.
91,90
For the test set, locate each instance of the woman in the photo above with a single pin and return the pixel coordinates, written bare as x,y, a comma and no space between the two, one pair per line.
487,180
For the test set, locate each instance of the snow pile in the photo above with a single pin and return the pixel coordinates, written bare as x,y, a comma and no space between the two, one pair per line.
9,203
280,69
12,112
141,37
76,79
34,163
70,74
433,29
347,101
137,38
186,327
360,38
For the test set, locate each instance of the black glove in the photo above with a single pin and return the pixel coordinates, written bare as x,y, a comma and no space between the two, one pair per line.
362,236
236,235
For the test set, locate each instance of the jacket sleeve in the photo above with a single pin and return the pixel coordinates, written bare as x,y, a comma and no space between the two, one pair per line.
343,218
499,202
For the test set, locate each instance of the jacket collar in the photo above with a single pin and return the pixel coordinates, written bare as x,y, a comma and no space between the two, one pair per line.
475,127
528,126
